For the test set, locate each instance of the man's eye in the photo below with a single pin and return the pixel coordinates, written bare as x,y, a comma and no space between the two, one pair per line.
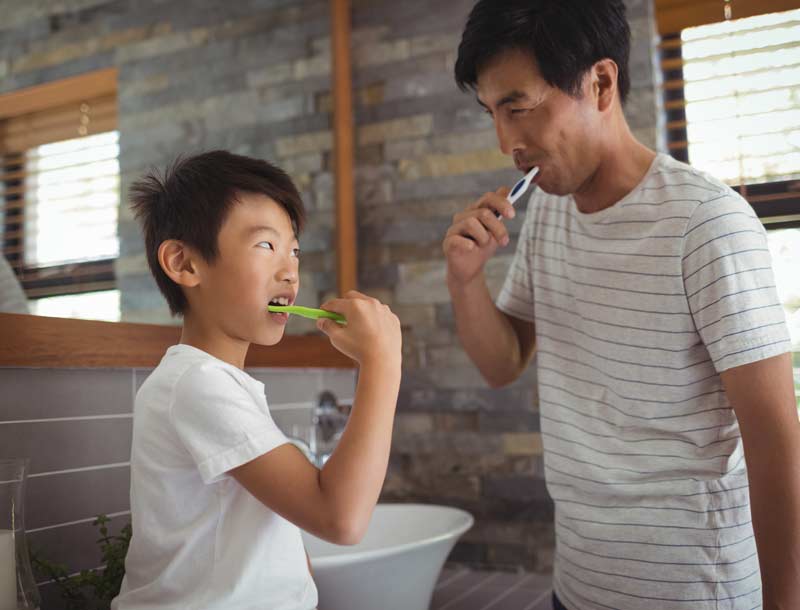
518,111
266,245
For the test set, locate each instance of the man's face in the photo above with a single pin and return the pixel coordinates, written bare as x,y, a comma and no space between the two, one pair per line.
258,262
540,125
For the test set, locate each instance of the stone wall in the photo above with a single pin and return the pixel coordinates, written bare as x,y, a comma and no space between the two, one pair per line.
253,76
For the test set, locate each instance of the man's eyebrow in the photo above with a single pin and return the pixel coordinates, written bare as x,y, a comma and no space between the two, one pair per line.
510,98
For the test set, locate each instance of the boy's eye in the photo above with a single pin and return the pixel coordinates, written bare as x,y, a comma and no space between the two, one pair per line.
266,245
296,252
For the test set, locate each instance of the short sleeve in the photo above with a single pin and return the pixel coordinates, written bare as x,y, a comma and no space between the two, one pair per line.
220,423
516,296
730,285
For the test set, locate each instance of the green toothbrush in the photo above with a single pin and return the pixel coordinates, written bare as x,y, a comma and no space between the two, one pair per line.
307,312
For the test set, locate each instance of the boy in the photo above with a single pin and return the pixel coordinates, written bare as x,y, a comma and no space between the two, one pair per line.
218,494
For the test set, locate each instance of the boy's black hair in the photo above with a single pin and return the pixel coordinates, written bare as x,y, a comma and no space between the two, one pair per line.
565,38
192,200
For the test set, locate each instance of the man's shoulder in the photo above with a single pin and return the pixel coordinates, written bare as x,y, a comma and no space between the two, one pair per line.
675,178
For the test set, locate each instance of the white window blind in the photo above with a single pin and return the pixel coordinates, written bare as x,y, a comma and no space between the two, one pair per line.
741,87
72,201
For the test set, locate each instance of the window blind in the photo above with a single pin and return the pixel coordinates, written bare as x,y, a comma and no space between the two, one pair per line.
732,100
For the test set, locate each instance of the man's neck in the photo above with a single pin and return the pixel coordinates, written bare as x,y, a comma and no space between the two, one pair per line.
625,162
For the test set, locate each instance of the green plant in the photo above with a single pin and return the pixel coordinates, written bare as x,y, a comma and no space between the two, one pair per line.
92,589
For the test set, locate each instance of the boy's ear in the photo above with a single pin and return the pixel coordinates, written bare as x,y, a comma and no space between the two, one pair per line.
177,261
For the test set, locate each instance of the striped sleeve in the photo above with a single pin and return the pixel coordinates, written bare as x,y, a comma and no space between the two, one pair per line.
516,296
730,285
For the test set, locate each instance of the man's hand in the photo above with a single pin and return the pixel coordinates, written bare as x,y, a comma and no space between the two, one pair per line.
475,235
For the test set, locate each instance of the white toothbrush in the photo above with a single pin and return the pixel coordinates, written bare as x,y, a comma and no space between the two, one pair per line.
521,187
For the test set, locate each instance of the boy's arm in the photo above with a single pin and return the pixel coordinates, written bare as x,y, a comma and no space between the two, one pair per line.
762,395
336,503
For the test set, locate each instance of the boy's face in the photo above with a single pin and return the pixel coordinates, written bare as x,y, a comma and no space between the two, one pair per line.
258,262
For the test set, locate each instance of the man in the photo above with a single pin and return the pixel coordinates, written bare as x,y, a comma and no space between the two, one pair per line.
645,289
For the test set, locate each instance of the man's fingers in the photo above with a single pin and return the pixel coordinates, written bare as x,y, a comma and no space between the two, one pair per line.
458,243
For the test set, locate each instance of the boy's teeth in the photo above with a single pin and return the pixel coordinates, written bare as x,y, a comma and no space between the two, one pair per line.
280,301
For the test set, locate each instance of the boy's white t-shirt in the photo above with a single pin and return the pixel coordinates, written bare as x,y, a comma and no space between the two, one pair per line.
200,540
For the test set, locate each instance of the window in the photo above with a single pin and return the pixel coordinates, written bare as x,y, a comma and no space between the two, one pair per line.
60,194
732,101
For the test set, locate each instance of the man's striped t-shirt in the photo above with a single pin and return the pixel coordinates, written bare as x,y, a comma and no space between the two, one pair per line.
637,309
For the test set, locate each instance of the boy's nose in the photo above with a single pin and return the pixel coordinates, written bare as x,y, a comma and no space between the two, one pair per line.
288,275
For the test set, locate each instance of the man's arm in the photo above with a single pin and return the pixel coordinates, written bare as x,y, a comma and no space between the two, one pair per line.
762,395
501,346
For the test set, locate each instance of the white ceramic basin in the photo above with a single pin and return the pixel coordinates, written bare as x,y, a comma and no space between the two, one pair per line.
395,566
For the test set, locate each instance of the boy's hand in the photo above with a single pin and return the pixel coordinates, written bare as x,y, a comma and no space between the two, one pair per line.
372,333
475,235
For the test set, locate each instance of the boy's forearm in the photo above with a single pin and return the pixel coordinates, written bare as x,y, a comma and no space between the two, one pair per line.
353,476
486,334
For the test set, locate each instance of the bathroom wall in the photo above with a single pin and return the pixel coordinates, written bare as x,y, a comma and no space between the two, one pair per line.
253,76
75,426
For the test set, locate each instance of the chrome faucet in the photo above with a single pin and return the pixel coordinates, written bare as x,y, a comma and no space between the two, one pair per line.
328,421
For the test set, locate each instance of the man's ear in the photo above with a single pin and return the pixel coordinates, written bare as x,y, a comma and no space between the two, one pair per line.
178,261
604,83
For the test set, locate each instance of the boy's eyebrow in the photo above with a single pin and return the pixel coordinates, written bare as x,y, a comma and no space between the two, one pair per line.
266,228
262,228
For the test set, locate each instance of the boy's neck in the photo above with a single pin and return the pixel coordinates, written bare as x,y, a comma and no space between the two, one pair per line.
214,341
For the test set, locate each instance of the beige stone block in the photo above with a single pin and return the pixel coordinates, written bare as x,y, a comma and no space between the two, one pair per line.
163,45
436,166
157,82
273,75
523,443
319,65
52,57
377,53
409,127
436,43
319,141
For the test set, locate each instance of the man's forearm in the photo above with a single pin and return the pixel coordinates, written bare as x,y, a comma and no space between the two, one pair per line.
486,334
775,507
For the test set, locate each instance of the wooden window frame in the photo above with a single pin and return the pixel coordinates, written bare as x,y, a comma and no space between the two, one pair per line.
54,280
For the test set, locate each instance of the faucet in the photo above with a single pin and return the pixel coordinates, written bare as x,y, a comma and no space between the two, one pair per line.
327,425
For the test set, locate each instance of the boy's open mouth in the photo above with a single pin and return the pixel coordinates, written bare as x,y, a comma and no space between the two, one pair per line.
281,301
280,318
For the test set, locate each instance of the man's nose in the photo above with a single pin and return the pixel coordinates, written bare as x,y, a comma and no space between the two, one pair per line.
508,138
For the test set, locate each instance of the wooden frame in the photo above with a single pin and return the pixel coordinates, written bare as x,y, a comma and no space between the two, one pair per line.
346,235
35,341
675,15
